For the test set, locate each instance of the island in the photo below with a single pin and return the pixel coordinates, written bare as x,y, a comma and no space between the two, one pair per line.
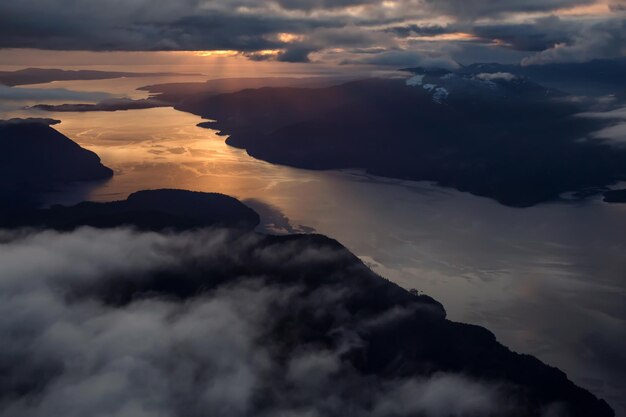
45,75
113,104
144,210
34,158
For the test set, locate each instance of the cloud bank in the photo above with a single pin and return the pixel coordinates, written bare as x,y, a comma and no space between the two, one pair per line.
303,30
615,133
68,352
119,323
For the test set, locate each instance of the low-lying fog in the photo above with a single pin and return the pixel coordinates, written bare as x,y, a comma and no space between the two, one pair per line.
548,280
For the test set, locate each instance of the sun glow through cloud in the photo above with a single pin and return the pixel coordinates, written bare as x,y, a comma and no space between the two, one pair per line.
457,36
222,54
289,37
597,9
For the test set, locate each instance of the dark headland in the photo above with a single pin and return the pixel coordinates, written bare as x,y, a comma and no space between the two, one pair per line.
326,300
496,135
35,158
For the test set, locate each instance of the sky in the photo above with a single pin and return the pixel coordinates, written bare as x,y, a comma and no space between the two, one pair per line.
392,33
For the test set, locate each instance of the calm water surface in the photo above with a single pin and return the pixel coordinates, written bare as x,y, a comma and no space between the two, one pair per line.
548,280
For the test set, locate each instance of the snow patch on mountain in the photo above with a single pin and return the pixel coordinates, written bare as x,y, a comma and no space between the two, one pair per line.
494,76
415,80
440,95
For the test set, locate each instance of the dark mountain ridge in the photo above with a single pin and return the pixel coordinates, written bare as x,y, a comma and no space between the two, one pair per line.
322,296
500,137
34,157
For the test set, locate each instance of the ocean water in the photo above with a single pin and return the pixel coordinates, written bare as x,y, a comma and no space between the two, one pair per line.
548,280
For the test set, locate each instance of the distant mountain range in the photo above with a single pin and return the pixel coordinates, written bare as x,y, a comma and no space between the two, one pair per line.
597,77
46,75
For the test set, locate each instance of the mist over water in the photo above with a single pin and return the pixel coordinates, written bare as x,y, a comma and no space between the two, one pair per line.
548,280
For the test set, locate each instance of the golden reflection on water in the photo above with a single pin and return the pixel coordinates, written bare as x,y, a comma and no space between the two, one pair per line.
163,148
492,265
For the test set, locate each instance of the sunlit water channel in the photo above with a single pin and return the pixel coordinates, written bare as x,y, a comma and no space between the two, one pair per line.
548,280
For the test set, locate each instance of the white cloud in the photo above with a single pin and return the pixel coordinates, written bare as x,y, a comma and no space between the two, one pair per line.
67,352
606,39
491,76
616,132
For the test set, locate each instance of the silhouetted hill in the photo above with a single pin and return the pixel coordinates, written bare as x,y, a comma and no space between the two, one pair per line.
497,135
145,210
34,157
46,75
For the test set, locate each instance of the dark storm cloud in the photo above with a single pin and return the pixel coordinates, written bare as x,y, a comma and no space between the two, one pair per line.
321,4
66,353
587,41
349,37
79,29
238,32
253,26
296,54
403,59
559,40
472,9
418,30
541,34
